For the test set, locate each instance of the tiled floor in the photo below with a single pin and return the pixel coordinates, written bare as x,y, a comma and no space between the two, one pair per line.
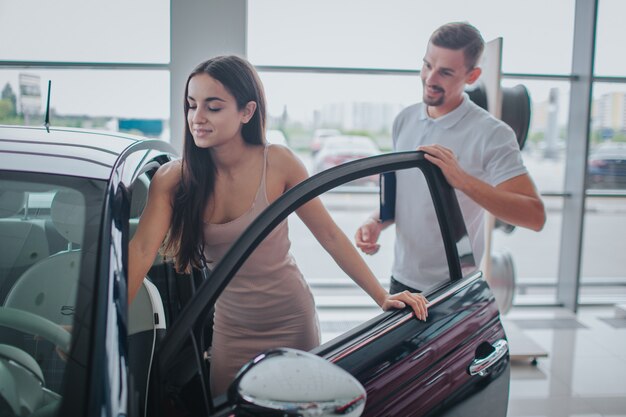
584,373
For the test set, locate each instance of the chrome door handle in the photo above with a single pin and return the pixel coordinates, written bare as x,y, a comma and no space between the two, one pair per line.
480,366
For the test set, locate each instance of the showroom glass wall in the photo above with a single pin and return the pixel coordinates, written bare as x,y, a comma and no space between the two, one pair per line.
352,65
108,63
334,64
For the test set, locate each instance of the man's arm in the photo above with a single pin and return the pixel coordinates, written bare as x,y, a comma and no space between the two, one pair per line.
514,201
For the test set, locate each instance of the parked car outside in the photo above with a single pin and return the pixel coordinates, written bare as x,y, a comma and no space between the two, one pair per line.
276,136
341,149
606,166
319,137
70,345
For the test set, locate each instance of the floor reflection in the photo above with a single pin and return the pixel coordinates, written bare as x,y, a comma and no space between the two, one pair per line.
584,372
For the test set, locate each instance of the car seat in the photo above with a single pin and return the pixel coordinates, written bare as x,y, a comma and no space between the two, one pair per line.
22,241
139,198
48,288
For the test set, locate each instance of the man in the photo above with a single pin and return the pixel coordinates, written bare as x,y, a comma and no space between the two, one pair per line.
478,155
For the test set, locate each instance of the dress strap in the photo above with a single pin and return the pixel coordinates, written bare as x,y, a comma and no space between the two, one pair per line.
262,187
265,149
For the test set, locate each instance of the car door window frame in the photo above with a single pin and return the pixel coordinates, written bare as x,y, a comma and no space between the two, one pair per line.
444,199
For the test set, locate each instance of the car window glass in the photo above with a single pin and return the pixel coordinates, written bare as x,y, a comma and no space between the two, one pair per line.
48,245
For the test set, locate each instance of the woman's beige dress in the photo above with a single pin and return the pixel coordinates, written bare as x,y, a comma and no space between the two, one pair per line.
266,305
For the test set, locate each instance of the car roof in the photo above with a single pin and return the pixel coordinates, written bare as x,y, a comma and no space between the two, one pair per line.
65,151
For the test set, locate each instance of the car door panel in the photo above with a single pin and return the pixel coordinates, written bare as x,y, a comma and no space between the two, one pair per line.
426,360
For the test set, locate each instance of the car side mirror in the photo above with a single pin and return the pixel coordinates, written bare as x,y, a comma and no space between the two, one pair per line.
290,382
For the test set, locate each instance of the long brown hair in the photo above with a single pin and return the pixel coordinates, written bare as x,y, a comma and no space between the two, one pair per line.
184,240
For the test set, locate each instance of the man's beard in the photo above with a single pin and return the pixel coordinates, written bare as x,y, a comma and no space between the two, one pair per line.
433,102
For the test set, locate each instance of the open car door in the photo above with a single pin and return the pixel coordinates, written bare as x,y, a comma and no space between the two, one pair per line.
454,363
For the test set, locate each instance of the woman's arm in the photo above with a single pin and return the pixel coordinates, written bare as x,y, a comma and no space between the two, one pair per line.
338,245
153,225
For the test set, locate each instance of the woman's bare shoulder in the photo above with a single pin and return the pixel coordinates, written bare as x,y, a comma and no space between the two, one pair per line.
285,161
168,175
281,155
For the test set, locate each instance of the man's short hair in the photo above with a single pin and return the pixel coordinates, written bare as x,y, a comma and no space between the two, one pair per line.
460,35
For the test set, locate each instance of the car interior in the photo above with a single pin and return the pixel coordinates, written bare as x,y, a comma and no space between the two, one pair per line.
42,242
41,261
163,294
146,315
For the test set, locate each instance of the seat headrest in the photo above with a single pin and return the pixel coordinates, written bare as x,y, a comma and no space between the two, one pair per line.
515,110
68,215
139,197
11,202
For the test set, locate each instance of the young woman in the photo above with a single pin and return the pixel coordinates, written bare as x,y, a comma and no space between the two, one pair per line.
202,202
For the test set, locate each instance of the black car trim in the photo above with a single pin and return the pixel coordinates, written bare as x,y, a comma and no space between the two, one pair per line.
401,318
444,200
100,311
